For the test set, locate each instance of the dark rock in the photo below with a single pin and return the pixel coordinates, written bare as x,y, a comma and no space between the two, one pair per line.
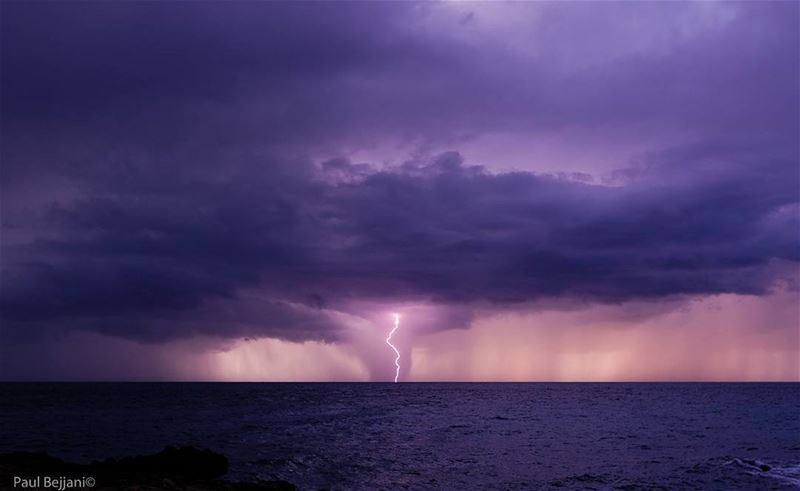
185,468
188,463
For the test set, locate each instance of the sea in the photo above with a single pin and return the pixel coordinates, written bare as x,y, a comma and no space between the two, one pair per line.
432,436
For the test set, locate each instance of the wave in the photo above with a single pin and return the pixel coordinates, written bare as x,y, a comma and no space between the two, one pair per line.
789,474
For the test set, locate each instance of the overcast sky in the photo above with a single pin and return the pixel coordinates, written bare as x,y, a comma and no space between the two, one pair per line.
543,191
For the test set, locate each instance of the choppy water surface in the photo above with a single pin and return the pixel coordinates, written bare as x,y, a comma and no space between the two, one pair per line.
433,436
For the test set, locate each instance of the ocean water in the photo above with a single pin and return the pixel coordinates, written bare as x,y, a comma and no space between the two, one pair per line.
432,436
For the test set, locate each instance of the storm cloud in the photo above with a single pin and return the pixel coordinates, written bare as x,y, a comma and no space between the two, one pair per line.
175,170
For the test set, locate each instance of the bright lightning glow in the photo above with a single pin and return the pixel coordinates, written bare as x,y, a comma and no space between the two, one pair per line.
389,342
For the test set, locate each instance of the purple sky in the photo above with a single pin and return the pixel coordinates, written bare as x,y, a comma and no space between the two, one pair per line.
248,190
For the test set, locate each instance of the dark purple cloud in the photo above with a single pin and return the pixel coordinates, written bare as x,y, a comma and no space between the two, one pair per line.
436,231
171,170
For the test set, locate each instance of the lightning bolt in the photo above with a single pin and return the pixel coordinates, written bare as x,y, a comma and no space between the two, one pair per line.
389,342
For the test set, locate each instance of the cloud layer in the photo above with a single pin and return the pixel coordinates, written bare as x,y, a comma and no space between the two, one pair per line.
266,170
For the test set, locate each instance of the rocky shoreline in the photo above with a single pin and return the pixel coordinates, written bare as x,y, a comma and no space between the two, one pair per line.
184,468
